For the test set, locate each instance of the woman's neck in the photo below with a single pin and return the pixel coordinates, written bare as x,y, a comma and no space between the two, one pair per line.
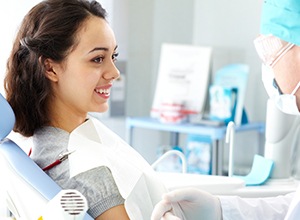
66,120
67,123
64,116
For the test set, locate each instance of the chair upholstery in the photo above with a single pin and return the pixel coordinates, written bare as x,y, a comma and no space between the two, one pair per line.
7,118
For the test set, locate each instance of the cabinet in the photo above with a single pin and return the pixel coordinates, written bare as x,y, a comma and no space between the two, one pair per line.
215,133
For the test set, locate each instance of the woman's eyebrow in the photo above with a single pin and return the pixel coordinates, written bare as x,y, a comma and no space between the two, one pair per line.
98,48
102,48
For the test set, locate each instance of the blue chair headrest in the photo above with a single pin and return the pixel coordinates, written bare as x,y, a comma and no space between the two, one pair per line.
7,118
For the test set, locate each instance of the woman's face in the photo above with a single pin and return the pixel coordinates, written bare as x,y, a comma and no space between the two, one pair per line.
83,81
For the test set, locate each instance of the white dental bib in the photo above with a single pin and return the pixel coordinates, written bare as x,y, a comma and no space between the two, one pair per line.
95,145
294,209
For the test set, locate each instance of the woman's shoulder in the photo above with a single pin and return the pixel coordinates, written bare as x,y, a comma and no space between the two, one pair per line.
48,143
50,134
99,188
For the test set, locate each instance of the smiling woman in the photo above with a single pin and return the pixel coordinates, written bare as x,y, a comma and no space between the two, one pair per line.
62,66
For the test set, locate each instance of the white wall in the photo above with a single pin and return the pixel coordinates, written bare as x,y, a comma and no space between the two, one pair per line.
152,22
118,19
11,14
230,27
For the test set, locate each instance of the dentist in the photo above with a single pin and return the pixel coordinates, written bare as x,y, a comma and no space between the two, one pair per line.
279,48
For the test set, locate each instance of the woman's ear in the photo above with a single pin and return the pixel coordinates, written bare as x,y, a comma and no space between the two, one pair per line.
49,69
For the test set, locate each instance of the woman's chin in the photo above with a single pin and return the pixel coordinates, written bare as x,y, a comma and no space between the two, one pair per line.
101,109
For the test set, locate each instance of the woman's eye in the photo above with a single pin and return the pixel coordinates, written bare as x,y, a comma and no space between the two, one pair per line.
98,60
114,56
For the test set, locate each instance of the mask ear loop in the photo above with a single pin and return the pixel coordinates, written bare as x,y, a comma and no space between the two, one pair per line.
282,52
296,89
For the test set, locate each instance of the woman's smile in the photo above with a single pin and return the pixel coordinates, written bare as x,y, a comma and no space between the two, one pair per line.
103,91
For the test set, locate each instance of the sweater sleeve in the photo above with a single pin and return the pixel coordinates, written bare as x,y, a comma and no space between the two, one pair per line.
99,188
237,208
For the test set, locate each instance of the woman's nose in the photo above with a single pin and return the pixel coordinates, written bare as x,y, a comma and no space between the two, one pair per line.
112,72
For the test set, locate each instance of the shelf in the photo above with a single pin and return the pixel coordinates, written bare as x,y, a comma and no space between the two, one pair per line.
215,133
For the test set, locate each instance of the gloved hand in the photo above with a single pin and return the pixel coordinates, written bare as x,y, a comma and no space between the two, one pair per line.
195,204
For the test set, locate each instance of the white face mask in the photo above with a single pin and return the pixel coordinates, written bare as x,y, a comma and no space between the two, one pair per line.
285,102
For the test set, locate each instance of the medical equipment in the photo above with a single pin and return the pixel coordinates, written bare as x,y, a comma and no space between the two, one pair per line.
281,135
28,189
261,167
230,133
67,205
169,153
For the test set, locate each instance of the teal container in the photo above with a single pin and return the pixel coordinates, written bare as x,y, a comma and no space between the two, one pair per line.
198,154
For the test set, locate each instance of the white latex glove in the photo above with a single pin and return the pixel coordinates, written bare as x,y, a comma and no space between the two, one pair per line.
195,204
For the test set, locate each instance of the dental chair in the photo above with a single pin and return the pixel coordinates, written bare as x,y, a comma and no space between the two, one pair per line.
28,189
